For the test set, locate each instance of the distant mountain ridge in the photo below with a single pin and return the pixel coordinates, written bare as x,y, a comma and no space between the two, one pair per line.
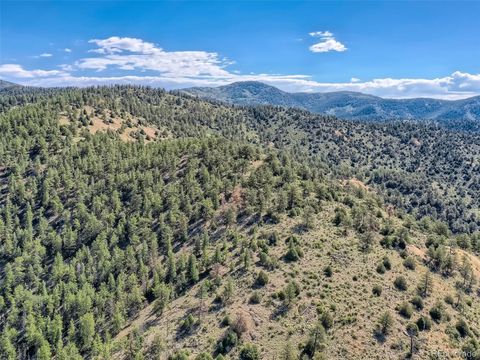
458,114
7,85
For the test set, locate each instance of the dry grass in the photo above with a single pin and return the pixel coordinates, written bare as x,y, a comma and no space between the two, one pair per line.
347,295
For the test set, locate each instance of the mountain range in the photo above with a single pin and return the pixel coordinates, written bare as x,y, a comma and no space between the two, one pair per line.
458,114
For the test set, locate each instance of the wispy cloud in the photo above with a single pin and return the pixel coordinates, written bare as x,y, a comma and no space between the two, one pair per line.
45,55
17,71
68,50
327,43
136,54
135,61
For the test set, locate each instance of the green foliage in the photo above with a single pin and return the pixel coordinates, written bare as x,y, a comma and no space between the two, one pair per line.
249,352
437,312
262,278
417,302
405,309
228,342
385,323
294,251
410,263
255,298
179,355
400,283
203,356
424,323
328,271
91,226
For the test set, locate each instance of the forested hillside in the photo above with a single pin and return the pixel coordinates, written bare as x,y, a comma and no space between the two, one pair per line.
459,115
141,224
421,169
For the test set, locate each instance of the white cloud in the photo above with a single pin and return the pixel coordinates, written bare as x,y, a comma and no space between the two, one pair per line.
177,69
458,85
67,50
327,43
136,54
17,71
322,34
45,55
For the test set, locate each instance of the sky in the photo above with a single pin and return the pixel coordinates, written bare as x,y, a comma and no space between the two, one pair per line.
391,49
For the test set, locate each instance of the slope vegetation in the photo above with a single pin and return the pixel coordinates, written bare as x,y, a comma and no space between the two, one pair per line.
228,233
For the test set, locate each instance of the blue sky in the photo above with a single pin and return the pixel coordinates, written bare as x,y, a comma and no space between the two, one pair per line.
391,49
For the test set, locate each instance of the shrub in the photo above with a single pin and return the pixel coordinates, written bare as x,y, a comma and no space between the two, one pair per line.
387,263
417,301
179,355
315,341
327,320
381,268
228,342
292,254
400,283
377,290
249,352
449,299
409,263
462,328
424,323
406,310
203,356
188,324
226,321
328,271
385,323
437,312
255,298
262,278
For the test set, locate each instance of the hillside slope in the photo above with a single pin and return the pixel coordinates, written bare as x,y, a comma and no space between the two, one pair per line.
460,114
215,231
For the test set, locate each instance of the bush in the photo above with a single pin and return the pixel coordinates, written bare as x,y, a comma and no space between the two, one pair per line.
328,271
179,355
228,342
385,323
400,283
417,301
249,352
424,323
387,263
377,290
462,328
255,298
203,356
406,310
381,268
327,320
188,324
449,299
226,321
409,263
437,312
262,278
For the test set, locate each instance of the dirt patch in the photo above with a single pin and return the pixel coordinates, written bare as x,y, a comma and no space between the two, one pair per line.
354,182
415,142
